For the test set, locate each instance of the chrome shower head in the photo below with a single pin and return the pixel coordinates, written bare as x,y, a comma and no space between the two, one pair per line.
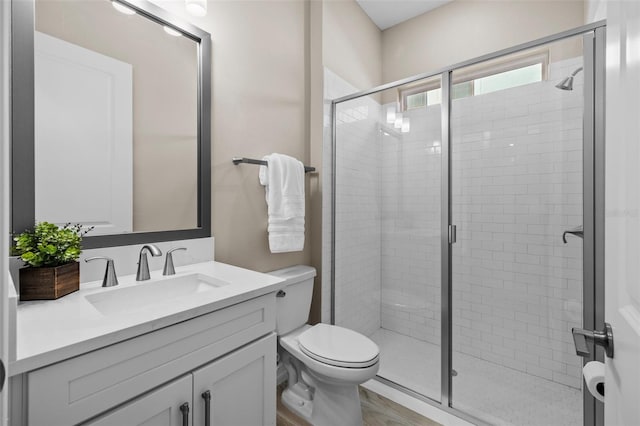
567,82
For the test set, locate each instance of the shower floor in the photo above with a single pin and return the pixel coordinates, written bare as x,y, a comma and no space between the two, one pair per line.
496,394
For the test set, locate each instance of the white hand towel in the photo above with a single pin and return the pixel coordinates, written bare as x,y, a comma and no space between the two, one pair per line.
283,179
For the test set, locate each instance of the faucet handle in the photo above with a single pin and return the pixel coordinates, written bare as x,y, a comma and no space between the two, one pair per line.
168,263
110,278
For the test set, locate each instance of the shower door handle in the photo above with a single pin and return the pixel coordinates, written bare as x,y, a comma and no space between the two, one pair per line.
601,338
452,234
3,375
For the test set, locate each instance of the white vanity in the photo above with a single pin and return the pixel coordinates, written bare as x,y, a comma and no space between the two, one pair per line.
196,348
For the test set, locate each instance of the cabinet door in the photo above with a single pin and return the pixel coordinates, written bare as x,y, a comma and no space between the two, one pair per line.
242,387
161,407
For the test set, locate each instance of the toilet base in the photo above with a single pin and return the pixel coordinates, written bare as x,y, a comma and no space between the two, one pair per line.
330,404
298,405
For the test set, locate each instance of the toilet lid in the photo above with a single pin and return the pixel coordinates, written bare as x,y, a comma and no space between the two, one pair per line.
338,346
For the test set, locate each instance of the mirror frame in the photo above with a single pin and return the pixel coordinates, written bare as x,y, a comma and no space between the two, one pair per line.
22,118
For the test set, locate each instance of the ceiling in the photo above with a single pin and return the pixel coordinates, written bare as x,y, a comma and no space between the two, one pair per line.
387,13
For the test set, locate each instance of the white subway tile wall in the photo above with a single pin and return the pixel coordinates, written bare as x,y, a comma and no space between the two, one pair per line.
411,204
357,216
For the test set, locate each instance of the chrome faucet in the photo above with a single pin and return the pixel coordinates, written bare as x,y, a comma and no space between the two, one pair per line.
143,263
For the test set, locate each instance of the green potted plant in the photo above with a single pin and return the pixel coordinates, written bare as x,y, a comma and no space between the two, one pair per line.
49,253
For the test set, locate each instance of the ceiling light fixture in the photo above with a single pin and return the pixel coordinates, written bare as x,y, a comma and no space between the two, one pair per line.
406,125
391,115
398,123
122,8
196,7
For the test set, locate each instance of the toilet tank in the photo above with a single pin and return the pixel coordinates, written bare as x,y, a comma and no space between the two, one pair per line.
292,308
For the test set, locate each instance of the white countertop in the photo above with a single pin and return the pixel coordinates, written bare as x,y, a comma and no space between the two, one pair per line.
50,331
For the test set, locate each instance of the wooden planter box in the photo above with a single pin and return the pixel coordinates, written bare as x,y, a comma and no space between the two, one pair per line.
47,283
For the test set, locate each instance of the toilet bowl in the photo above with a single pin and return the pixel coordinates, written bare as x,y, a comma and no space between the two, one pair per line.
323,364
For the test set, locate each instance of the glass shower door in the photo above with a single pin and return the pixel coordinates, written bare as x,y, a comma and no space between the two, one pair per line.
516,187
387,248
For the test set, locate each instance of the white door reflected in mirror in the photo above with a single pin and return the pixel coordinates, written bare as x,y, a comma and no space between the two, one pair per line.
83,137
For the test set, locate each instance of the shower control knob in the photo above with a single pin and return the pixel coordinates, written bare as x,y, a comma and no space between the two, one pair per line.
601,338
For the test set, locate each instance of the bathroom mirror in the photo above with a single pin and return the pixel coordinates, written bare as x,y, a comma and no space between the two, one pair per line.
111,119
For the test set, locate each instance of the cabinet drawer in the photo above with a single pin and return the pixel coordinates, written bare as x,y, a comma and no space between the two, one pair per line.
79,388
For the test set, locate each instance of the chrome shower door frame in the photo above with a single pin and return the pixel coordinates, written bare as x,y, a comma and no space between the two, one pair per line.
593,204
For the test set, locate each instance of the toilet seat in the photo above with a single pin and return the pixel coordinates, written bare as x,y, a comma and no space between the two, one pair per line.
338,346
322,370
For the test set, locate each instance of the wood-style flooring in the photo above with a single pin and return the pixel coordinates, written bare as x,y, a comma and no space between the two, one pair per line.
376,411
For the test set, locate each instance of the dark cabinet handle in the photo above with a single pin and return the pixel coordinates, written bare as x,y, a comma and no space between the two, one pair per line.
206,395
185,414
3,374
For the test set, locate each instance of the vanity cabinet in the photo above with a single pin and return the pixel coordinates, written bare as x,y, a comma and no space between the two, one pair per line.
238,389
230,352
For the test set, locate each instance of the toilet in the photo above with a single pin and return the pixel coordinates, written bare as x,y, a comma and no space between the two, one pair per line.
323,364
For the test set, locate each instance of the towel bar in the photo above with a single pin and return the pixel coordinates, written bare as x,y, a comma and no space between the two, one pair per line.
238,160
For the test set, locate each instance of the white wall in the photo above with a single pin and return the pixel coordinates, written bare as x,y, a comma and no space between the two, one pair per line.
466,29
595,10
351,44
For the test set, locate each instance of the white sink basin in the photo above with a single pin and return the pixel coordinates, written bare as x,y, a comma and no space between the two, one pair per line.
153,294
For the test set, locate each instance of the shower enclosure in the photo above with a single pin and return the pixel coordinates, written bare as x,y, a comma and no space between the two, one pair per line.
453,194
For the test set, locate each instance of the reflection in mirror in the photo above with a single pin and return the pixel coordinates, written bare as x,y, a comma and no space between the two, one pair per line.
116,119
